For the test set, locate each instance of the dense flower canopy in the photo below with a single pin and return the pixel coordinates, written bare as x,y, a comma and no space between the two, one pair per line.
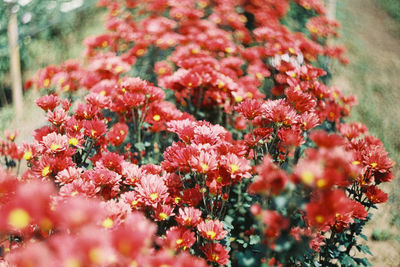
206,134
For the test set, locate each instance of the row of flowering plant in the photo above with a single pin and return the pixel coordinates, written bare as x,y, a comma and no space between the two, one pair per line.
194,132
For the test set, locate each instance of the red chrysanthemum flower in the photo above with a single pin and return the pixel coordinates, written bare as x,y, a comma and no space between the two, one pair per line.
204,162
163,212
249,108
212,230
179,237
215,252
189,217
48,102
55,143
375,195
271,179
152,190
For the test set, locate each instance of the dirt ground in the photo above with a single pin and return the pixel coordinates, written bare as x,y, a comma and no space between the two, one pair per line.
373,43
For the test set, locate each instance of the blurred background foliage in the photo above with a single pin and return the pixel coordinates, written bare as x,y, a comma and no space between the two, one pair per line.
50,31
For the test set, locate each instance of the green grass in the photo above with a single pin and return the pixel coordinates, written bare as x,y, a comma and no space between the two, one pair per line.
373,76
392,7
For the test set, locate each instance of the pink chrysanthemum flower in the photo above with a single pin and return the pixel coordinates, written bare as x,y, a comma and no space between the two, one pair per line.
212,230
55,143
152,190
189,217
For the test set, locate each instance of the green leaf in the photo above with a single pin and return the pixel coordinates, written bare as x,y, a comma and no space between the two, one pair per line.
280,202
346,260
140,146
254,239
364,249
364,237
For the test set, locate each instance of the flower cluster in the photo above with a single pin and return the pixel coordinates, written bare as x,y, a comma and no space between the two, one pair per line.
194,132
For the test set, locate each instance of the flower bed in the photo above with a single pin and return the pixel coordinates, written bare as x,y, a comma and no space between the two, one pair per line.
194,133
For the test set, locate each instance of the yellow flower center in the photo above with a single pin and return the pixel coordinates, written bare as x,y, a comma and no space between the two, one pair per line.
18,218
156,117
215,257
140,52
307,177
72,262
238,98
162,216
55,147
234,168
95,255
319,219
153,196
229,50
28,155
107,223
118,69
211,234
46,225
321,183
179,241
162,71
204,167
46,82
73,141
45,171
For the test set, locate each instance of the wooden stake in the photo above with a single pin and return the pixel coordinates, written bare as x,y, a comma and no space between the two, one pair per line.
15,65
331,9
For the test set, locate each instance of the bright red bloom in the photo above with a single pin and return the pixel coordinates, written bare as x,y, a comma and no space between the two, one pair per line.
271,179
58,116
326,208
55,143
204,162
111,161
106,181
215,252
279,111
249,108
375,195
131,172
163,212
79,187
68,175
323,139
352,130
237,167
134,236
308,120
94,128
29,205
212,230
274,224
189,217
179,237
48,102
152,190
